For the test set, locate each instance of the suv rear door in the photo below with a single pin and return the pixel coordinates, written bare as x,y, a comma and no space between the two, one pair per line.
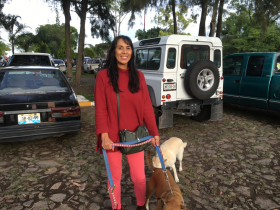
189,52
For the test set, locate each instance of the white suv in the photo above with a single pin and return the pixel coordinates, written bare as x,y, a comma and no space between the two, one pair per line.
31,59
184,76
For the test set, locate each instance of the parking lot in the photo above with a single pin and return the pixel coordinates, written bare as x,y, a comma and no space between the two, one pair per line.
228,164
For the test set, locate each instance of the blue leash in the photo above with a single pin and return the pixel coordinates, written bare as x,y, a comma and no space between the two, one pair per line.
111,182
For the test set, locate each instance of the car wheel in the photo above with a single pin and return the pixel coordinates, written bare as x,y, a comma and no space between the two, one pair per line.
204,114
157,114
201,79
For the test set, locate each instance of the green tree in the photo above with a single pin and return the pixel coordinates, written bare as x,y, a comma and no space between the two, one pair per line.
3,48
13,27
101,22
53,35
165,19
242,33
151,33
25,41
42,47
89,52
119,15
61,54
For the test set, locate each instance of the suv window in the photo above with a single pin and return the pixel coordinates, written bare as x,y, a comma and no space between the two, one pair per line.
191,53
232,65
217,58
30,60
171,58
148,59
255,66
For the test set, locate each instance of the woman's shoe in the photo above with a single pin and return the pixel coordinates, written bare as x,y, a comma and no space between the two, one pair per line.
141,208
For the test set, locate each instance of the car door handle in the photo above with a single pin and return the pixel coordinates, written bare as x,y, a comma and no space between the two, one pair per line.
236,81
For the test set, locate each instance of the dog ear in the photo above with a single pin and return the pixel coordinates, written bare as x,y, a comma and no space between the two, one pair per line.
164,160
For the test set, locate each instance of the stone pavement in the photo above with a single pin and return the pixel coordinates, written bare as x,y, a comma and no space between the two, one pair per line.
229,164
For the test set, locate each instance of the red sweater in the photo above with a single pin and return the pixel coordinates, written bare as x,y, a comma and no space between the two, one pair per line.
134,107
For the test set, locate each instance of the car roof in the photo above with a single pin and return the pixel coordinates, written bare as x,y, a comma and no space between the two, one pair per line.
175,39
30,68
32,53
57,60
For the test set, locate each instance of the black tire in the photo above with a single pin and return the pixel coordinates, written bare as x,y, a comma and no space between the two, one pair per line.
204,114
156,109
202,79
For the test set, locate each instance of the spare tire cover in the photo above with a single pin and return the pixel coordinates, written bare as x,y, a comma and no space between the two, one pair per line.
201,79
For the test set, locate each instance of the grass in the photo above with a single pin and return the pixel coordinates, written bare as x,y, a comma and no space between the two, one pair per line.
89,97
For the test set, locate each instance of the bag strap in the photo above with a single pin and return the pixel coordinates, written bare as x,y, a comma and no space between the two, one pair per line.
119,115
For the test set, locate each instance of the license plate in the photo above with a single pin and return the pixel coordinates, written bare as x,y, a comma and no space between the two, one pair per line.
28,118
169,86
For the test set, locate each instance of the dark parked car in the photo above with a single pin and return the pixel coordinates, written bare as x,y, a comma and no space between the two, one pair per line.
36,102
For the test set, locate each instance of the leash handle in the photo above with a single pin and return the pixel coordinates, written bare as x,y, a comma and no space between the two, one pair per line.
160,158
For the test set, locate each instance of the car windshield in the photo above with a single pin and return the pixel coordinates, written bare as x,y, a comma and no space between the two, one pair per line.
32,82
30,60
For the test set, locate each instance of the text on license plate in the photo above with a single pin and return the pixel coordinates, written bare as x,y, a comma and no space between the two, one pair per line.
169,86
28,118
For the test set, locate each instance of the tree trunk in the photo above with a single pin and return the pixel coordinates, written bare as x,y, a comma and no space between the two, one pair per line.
174,16
220,19
213,21
66,9
202,31
13,47
81,42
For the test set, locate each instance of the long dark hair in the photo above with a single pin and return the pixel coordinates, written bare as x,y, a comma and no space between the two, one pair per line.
112,67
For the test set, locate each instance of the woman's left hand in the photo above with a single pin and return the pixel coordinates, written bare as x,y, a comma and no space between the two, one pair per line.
155,141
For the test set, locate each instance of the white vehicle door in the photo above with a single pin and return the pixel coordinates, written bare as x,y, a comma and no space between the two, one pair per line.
188,53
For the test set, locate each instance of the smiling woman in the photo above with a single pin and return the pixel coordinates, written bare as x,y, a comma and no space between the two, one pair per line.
121,79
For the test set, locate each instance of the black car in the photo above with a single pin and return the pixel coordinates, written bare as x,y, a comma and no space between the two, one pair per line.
36,102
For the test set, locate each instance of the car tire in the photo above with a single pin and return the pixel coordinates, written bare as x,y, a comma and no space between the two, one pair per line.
156,111
204,114
201,79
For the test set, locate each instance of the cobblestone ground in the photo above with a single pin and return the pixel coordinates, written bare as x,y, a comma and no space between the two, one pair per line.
228,164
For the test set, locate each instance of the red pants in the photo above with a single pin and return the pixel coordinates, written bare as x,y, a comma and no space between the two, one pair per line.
137,174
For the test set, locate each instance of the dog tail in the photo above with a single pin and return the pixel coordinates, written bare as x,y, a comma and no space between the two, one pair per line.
185,144
148,160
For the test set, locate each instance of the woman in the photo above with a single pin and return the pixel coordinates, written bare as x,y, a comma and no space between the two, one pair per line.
120,75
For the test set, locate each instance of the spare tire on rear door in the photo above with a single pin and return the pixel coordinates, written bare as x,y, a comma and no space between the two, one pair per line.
201,79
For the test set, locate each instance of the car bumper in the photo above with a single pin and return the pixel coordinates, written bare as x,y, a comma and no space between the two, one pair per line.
37,131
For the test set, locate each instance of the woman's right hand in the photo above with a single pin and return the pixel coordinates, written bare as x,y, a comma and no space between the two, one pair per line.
106,142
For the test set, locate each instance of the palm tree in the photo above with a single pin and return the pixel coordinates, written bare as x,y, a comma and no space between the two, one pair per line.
10,23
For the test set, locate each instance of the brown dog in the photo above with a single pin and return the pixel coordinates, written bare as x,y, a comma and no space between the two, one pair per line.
158,183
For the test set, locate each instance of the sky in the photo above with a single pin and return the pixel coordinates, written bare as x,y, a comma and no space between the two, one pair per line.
34,13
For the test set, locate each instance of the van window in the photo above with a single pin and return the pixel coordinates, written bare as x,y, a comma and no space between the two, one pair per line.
191,53
148,59
171,58
255,66
232,65
217,58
